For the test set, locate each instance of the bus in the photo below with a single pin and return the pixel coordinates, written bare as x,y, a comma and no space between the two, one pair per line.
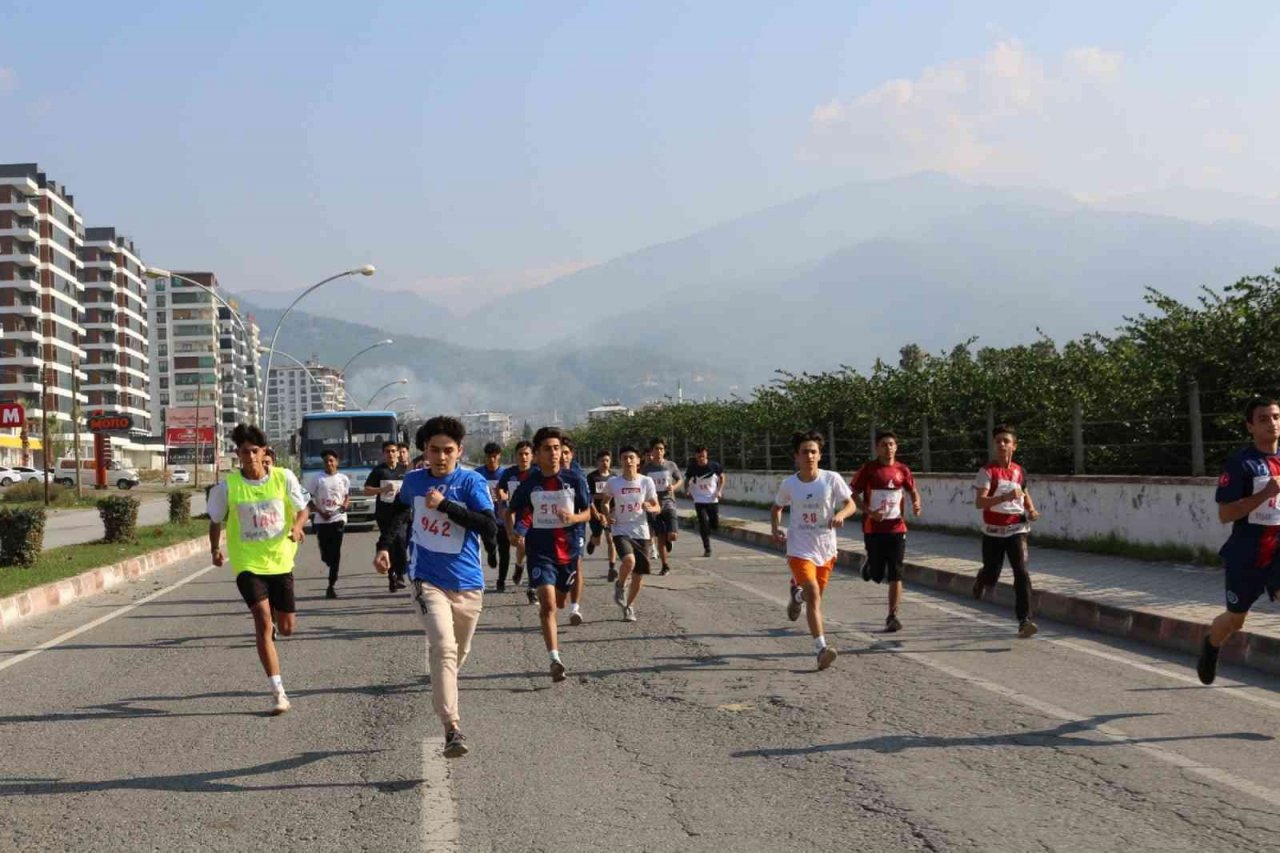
357,438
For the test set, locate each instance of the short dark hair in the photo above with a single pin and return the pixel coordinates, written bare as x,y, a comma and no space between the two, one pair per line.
1255,404
628,448
882,434
248,434
440,425
329,453
545,433
602,454
492,448
402,445
271,452
522,444
698,448
799,438
655,441
390,444
1004,429
566,441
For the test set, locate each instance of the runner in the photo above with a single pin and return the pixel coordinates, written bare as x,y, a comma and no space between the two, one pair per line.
560,504
405,456
666,476
452,515
269,457
517,526
499,557
878,489
704,481
820,501
264,513
330,498
1246,498
1007,510
569,463
391,515
598,480
633,497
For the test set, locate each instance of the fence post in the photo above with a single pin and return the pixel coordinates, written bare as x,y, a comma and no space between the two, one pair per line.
1077,437
991,427
871,437
926,458
768,454
742,450
724,460
1197,428
831,444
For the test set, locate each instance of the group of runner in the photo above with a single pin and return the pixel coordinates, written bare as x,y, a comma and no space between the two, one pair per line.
434,521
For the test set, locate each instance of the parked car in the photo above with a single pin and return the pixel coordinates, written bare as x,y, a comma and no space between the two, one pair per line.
8,476
179,475
118,474
31,475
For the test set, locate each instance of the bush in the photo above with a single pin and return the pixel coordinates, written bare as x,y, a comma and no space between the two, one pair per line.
28,492
179,507
119,519
21,535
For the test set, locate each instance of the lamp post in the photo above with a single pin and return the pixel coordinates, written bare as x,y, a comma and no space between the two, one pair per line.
385,342
391,403
369,404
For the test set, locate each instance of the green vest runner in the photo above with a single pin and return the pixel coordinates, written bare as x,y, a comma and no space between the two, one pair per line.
258,522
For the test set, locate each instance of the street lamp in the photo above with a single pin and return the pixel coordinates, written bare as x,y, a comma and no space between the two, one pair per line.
391,403
383,388
385,342
366,270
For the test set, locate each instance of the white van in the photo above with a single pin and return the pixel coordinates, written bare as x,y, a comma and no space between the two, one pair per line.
119,474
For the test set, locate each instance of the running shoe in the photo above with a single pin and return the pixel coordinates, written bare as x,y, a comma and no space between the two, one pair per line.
629,614
1207,666
591,547
653,550
666,569
865,569
619,595
613,573
501,587
978,587
275,632
575,617
1027,629
515,576
492,555
533,596
455,745
279,703
795,604
557,671
891,624
330,593
706,552
826,657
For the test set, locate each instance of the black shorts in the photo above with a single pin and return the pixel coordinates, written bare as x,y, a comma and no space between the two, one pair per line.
666,520
1246,583
597,527
885,553
627,546
276,588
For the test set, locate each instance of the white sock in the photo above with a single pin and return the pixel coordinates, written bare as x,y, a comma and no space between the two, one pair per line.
819,643
276,684
555,655
573,607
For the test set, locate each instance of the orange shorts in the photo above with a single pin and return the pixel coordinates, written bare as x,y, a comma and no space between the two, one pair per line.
806,570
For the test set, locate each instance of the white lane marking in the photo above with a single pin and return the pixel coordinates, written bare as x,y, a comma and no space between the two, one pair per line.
439,811
88,626
1190,765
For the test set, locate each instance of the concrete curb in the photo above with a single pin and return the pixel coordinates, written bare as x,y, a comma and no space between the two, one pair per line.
1246,648
43,599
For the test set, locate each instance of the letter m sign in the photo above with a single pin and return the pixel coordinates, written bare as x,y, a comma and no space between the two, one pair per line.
12,415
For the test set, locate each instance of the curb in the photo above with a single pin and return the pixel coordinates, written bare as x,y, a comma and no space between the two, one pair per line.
1245,648
51,596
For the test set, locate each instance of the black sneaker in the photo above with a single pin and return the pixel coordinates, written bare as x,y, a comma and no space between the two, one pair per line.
706,552
330,593
557,671
515,575
865,571
1027,629
492,554
1207,666
591,547
891,624
666,569
501,587
533,596
978,586
455,745
613,574
796,604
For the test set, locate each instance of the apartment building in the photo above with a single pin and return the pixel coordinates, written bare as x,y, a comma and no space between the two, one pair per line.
117,364
238,341
293,391
185,353
483,427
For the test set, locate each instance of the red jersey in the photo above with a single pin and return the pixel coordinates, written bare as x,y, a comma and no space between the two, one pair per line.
883,487
1008,518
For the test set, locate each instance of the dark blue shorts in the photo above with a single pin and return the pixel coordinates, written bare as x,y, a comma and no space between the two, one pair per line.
1246,583
543,571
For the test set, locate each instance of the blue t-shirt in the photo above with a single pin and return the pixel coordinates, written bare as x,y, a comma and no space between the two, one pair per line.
492,477
441,552
537,497
1254,538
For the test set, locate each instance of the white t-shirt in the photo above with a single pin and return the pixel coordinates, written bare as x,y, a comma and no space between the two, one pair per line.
329,492
809,536
629,498
217,503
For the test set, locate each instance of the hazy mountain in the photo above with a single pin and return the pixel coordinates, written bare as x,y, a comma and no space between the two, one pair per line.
355,300
1200,205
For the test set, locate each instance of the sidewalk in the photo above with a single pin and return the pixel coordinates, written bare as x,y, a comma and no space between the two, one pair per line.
1165,604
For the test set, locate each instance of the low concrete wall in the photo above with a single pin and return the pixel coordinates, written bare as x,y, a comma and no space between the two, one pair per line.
1147,510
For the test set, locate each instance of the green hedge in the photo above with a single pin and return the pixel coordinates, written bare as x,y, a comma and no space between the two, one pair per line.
179,507
21,535
119,519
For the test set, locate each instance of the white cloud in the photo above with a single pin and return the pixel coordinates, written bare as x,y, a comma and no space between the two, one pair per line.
1094,61
8,80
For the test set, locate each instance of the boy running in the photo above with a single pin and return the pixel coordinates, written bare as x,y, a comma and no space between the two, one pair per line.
598,480
330,498
634,497
820,502
704,480
452,515
392,517
878,489
666,476
1246,498
569,463
1007,510
516,526
500,557
264,513
559,505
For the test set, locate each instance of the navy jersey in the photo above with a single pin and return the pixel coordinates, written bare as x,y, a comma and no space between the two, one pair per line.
540,496
492,476
1254,538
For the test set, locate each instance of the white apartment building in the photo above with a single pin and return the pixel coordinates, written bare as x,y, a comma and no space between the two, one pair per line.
293,391
238,351
483,427
185,350
117,365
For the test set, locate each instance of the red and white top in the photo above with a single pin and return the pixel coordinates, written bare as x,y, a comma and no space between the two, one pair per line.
883,487
1008,518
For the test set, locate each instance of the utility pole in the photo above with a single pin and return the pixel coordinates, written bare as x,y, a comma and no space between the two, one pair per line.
44,427
75,420
199,388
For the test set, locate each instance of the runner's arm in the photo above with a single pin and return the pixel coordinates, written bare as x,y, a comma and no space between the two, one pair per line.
215,542
775,521
1236,510
652,506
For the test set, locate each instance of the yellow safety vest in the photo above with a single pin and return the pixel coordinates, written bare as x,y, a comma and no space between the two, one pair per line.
258,522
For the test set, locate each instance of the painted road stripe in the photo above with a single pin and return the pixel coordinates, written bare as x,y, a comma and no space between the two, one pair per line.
439,810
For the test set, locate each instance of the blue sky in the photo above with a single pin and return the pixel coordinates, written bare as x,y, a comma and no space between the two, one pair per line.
465,148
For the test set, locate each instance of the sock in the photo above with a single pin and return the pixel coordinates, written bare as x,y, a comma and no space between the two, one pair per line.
555,655
819,643
276,683
573,607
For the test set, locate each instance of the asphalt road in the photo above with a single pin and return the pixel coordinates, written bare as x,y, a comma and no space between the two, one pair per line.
701,727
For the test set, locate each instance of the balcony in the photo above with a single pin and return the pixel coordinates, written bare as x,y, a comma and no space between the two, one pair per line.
20,361
21,309
21,232
22,258
22,208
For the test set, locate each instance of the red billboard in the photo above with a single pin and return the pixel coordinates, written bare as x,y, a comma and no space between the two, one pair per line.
186,436
12,415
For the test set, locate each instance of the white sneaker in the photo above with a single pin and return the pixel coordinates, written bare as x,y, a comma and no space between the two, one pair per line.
575,617
279,703
629,614
826,657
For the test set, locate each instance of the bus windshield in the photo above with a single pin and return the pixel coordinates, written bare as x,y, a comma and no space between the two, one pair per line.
357,439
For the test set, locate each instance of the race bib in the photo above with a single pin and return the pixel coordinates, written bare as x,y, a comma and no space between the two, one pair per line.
545,505
435,531
812,515
600,484
705,487
1010,506
888,501
1268,514
661,480
493,490
260,521
390,491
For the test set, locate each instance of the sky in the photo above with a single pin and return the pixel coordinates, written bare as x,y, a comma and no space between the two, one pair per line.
472,149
